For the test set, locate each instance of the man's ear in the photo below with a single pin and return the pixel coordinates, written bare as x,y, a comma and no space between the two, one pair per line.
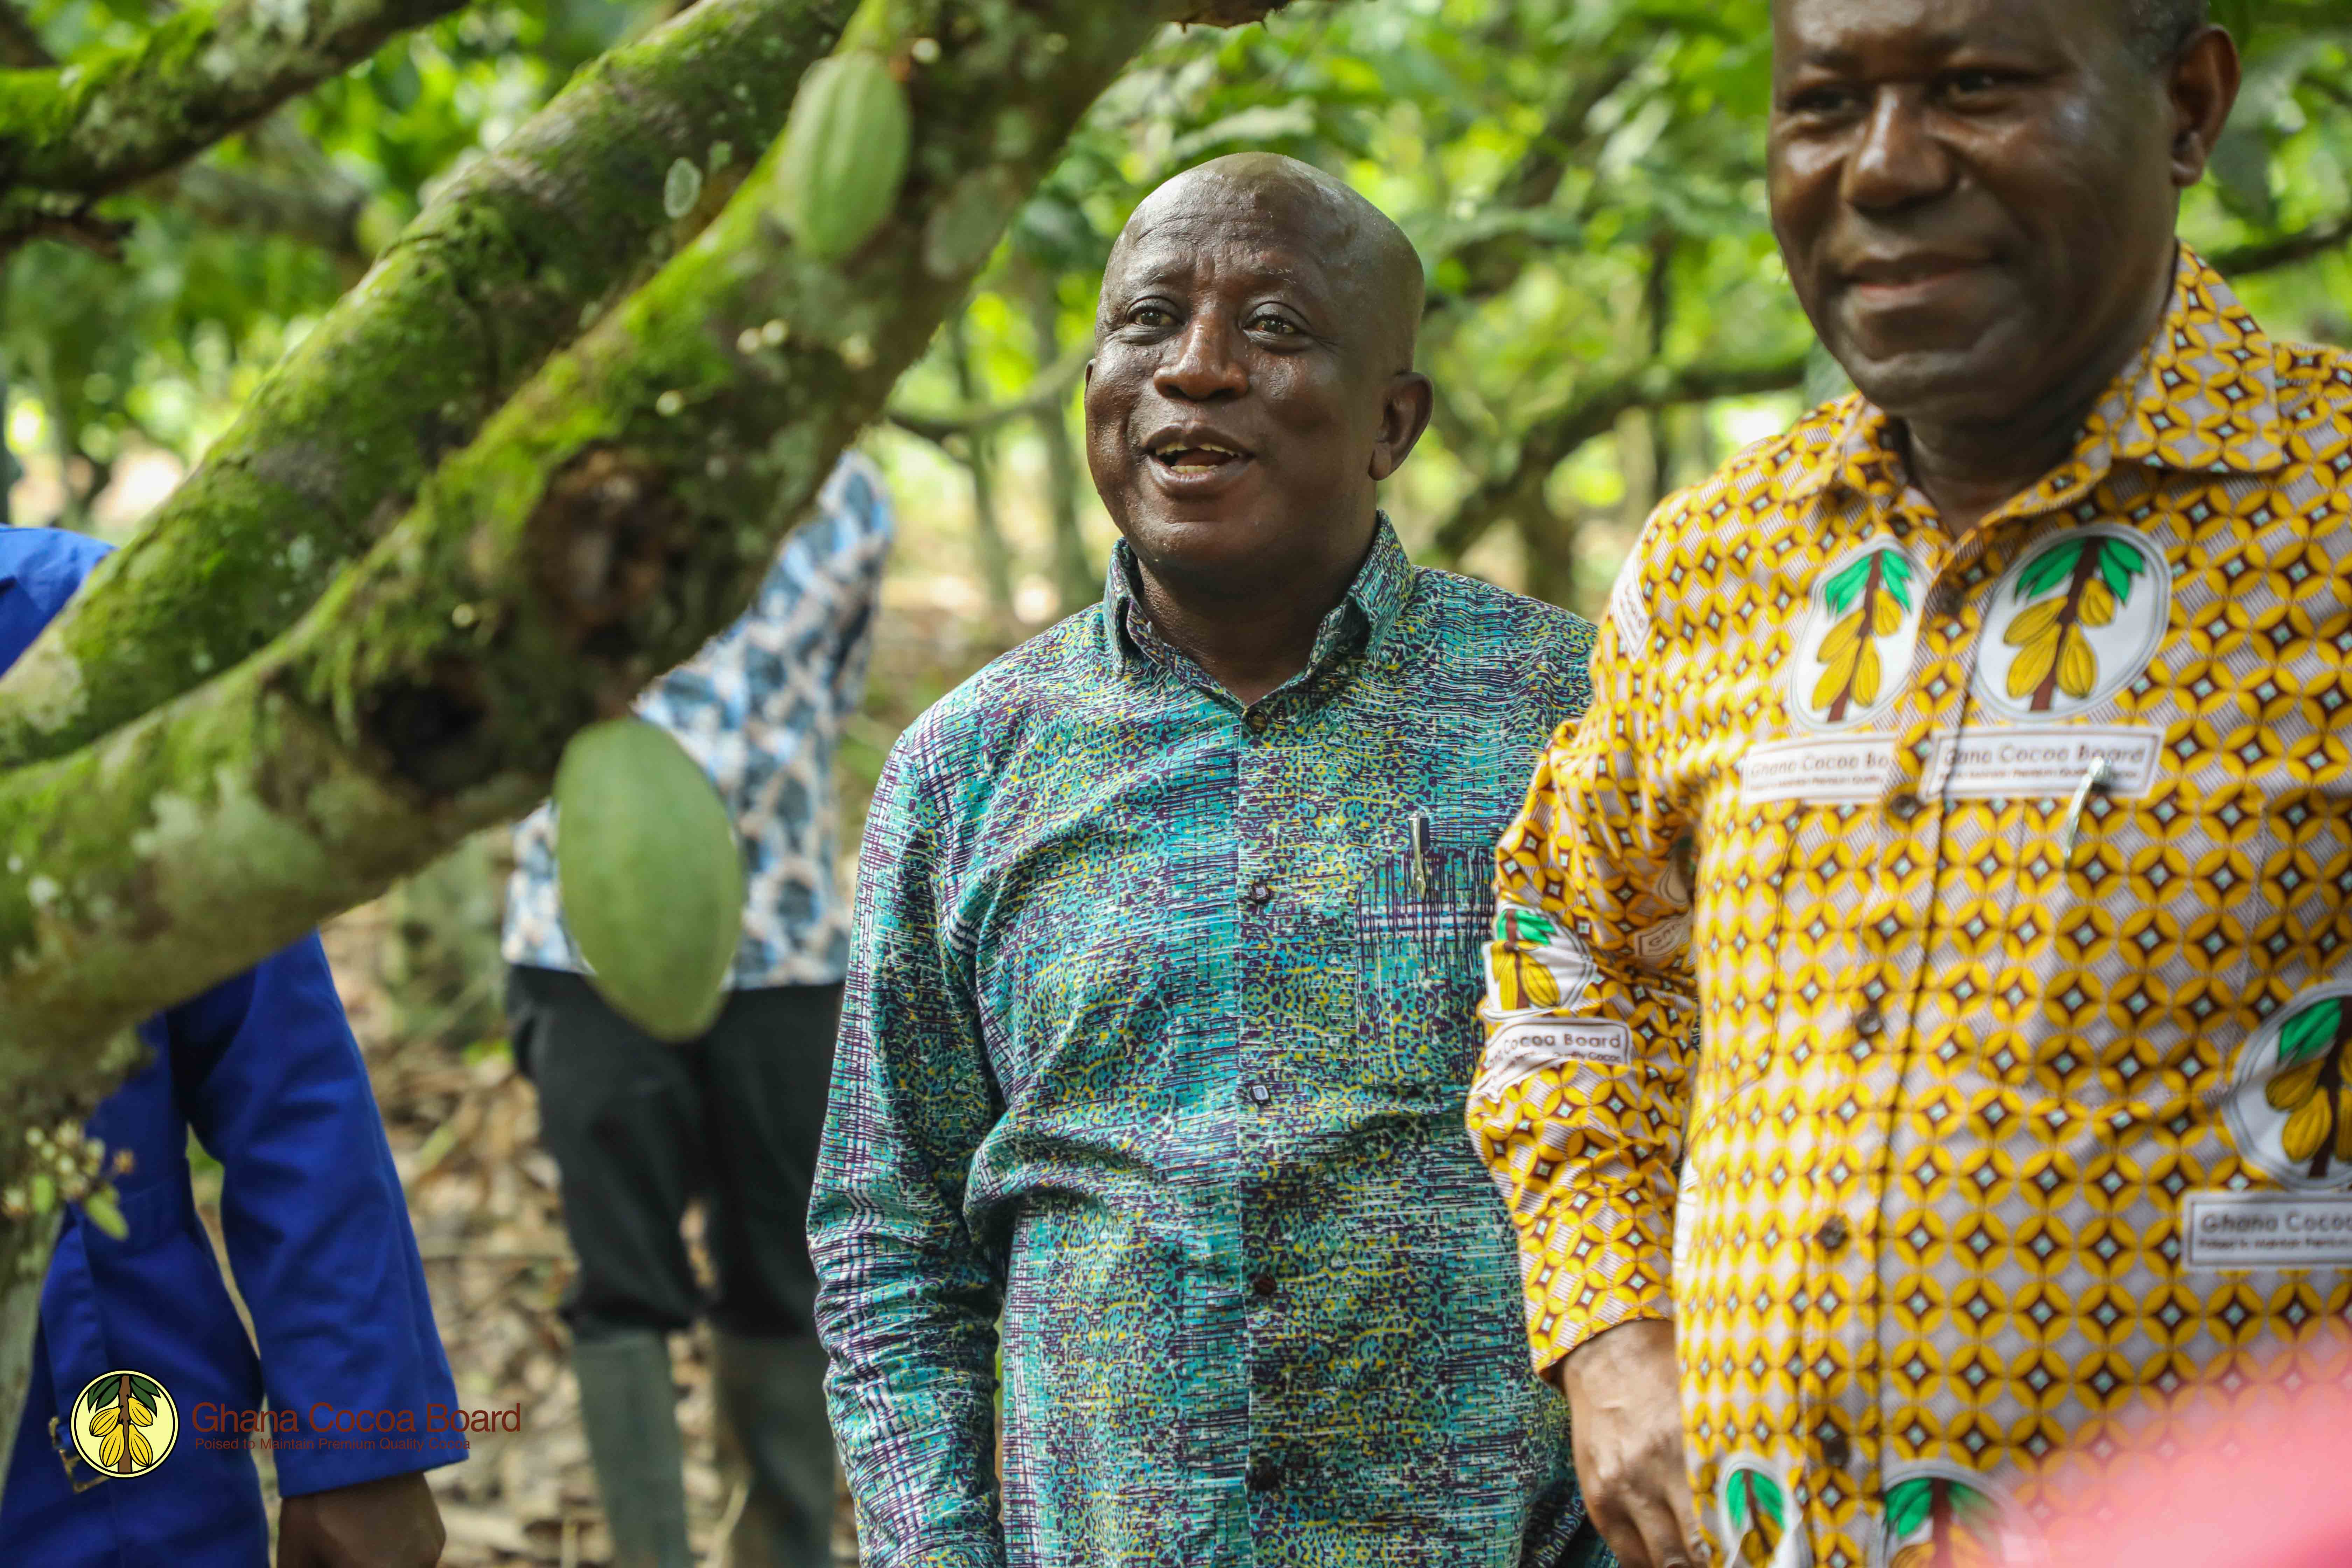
2202,86
1405,409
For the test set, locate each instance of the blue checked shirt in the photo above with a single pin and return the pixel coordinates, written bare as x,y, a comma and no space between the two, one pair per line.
1158,1030
761,708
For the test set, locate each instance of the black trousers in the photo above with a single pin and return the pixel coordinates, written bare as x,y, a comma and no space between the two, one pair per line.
639,1129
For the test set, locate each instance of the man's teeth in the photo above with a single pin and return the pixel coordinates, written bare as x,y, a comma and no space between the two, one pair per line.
1200,455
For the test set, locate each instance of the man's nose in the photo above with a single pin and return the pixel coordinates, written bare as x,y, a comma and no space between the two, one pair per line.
1899,161
1203,362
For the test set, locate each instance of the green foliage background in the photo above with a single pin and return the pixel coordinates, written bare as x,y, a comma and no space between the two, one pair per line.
1583,178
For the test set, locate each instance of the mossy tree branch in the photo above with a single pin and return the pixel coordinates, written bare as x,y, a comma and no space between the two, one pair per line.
94,126
501,270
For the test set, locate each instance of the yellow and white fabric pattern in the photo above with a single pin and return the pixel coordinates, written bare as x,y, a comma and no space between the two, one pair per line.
2006,878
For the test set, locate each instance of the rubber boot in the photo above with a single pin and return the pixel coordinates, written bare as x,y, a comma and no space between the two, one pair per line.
629,1407
774,1442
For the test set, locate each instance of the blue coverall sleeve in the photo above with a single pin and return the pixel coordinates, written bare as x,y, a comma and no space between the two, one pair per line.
317,1227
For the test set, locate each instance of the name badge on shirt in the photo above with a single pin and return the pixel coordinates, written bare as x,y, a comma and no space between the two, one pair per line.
1990,763
1520,1050
2227,1230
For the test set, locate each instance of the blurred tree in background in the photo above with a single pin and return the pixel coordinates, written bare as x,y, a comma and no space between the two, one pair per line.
1608,316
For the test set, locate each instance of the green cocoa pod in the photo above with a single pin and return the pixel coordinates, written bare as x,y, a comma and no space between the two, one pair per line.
844,152
651,878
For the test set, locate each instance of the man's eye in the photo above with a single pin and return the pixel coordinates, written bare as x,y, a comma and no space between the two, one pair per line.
1150,316
1817,100
1279,326
1976,84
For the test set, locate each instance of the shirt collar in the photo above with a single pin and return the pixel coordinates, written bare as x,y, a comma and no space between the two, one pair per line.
2200,397
1381,586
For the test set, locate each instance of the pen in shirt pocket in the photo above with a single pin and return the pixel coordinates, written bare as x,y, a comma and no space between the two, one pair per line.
2095,778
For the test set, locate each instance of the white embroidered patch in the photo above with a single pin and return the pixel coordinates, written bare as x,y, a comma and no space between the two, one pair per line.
1519,1051
2223,1230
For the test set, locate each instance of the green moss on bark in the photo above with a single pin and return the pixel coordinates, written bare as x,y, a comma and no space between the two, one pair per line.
501,272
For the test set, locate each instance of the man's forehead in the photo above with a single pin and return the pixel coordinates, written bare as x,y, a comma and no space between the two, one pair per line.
1844,34
1183,244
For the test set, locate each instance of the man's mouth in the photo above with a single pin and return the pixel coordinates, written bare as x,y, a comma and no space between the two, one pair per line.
1906,277
1194,457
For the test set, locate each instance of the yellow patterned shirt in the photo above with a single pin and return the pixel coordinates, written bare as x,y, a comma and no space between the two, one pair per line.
2006,878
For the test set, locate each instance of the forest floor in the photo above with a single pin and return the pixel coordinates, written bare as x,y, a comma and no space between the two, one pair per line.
420,978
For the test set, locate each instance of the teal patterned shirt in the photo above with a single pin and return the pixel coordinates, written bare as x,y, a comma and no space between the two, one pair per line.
1159,1030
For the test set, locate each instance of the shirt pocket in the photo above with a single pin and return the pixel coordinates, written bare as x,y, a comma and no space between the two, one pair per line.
2178,923
1421,921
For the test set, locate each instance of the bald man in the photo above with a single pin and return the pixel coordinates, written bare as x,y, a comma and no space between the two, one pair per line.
1146,1121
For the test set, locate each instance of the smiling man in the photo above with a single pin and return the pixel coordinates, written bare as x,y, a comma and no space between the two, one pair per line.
1971,760
1160,1008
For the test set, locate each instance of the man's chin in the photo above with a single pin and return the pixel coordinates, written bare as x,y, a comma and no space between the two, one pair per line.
1226,549
1971,383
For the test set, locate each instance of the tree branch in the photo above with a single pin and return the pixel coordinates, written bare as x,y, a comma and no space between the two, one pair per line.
1493,256
122,116
2268,256
620,508
1555,438
1046,394
501,270
232,199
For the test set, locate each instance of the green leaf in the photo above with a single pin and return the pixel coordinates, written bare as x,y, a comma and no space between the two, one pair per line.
1738,1499
2311,1031
1896,577
1767,1497
147,1390
1840,589
1907,1506
1515,924
1974,1510
2119,565
2050,570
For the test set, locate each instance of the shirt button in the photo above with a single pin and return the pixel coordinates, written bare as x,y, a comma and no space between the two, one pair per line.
1833,1234
1943,603
1868,1022
1904,804
1837,1453
1256,1093
1264,1475
1260,893
1258,719
1263,1286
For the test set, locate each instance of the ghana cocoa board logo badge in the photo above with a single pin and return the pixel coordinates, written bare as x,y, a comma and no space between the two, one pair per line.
2073,623
1853,648
1758,1519
125,1423
2289,1103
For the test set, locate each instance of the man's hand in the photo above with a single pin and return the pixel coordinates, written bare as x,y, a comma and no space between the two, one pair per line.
388,1523
1626,1401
